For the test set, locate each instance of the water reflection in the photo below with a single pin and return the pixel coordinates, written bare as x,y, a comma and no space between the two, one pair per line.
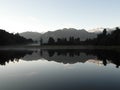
66,56
12,55
74,56
62,56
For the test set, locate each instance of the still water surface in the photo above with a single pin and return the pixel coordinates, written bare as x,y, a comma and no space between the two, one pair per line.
59,70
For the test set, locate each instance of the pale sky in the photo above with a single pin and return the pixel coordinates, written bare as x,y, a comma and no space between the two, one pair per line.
49,15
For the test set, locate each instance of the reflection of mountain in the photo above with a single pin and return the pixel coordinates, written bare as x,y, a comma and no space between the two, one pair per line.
95,61
74,56
33,56
67,56
62,56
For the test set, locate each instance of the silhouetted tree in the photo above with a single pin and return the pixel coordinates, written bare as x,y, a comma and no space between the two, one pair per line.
12,39
51,41
77,41
103,38
104,32
41,41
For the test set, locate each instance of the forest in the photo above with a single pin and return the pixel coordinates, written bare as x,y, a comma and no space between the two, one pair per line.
7,38
104,38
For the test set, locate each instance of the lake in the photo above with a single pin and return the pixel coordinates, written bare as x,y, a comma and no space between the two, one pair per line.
59,69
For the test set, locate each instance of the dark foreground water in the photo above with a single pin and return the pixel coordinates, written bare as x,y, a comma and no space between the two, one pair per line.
59,70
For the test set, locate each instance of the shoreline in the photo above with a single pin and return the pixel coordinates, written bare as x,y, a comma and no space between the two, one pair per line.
89,47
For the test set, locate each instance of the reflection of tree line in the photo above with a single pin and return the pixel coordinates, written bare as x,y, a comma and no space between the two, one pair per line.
112,56
7,56
66,56
71,53
73,56
103,55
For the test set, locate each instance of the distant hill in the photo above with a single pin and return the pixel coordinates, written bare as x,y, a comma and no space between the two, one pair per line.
66,33
61,33
32,35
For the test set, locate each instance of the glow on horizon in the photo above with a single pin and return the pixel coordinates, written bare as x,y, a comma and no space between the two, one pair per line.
50,15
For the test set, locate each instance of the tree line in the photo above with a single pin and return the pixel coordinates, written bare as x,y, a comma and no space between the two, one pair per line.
7,38
103,38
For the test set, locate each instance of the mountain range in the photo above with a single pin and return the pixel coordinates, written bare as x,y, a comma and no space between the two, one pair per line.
31,35
61,33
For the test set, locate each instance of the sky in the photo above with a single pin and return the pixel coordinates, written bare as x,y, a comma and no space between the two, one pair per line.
50,15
